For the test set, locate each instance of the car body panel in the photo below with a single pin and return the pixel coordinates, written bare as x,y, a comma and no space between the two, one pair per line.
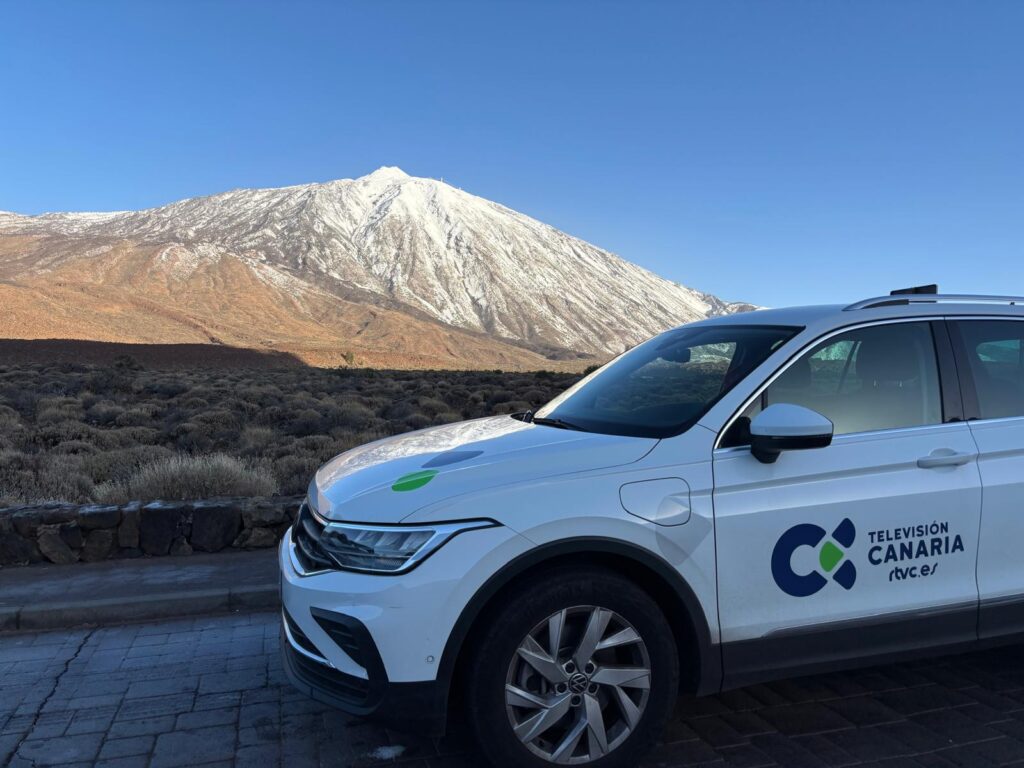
566,506
555,490
1000,439
429,599
1000,562
871,480
463,458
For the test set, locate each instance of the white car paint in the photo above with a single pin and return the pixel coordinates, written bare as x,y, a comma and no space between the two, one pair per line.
470,456
713,514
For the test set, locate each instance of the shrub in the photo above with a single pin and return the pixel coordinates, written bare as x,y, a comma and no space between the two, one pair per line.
66,429
17,475
109,380
353,415
399,410
122,463
56,433
191,437
256,440
75,447
306,422
103,413
190,477
9,419
26,478
513,406
416,421
60,478
295,471
124,437
500,396
313,444
167,387
535,397
127,363
447,417
58,409
138,416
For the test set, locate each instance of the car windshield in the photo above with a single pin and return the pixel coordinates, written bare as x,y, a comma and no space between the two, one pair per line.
663,386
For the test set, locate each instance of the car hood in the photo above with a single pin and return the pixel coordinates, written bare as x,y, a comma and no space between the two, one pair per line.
388,480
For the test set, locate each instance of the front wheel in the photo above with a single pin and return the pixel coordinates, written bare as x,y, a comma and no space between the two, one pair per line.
578,668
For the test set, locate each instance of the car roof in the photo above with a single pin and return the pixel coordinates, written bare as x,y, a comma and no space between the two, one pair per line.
780,316
880,308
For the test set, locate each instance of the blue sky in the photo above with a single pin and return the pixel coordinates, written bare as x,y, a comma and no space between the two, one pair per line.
776,152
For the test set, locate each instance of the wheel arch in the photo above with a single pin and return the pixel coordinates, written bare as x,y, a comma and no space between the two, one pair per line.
700,660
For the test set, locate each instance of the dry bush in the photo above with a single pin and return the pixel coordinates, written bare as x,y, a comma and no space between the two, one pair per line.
58,409
122,463
43,477
60,478
72,432
103,413
256,441
353,415
190,477
295,471
10,422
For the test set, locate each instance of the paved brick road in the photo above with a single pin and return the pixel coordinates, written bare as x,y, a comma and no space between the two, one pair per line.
210,692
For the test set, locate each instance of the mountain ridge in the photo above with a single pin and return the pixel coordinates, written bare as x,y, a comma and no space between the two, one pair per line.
385,246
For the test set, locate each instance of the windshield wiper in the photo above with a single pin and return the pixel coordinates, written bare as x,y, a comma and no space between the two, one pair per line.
559,423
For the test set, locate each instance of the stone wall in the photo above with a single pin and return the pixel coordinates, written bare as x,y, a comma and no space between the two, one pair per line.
67,533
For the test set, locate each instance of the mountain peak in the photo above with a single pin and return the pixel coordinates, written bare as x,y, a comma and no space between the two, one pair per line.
386,240
387,173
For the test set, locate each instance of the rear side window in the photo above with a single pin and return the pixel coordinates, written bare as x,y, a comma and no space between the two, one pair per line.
881,377
995,354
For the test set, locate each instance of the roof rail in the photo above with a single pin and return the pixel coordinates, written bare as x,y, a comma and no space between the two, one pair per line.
932,298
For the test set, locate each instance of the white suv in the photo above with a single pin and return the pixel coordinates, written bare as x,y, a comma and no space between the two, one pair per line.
744,498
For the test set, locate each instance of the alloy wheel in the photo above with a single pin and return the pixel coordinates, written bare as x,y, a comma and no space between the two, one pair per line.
578,685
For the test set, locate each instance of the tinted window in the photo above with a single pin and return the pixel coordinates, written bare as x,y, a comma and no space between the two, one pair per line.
882,377
664,385
995,353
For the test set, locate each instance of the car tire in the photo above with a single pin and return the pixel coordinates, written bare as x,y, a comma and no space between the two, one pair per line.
525,712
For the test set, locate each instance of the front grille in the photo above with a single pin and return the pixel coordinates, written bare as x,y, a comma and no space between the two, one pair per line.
306,538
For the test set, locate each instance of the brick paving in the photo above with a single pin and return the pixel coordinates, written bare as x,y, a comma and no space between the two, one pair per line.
210,691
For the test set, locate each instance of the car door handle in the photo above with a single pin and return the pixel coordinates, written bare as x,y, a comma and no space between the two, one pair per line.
944,457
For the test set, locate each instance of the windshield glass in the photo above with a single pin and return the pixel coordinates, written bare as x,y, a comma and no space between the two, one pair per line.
663,386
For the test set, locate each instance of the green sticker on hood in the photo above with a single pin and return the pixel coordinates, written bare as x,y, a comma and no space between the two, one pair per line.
414,480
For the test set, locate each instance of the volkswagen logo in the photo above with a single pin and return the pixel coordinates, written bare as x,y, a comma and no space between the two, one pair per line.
578,682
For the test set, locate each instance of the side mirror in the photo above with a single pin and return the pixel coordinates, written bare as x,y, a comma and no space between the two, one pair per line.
787,427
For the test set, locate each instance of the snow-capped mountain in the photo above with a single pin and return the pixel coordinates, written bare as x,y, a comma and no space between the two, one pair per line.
400,244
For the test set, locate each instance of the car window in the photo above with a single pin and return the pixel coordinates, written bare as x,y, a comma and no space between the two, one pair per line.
996,356
881,377
664,385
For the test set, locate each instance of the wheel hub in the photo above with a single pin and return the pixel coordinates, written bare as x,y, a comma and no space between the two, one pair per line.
579,682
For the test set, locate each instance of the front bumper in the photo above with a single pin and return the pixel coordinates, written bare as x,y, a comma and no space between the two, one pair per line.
418,707
372,645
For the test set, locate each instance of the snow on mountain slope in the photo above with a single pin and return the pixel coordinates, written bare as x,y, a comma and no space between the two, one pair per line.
388,239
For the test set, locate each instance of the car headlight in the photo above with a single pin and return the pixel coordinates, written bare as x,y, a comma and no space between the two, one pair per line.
388,548
369,548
